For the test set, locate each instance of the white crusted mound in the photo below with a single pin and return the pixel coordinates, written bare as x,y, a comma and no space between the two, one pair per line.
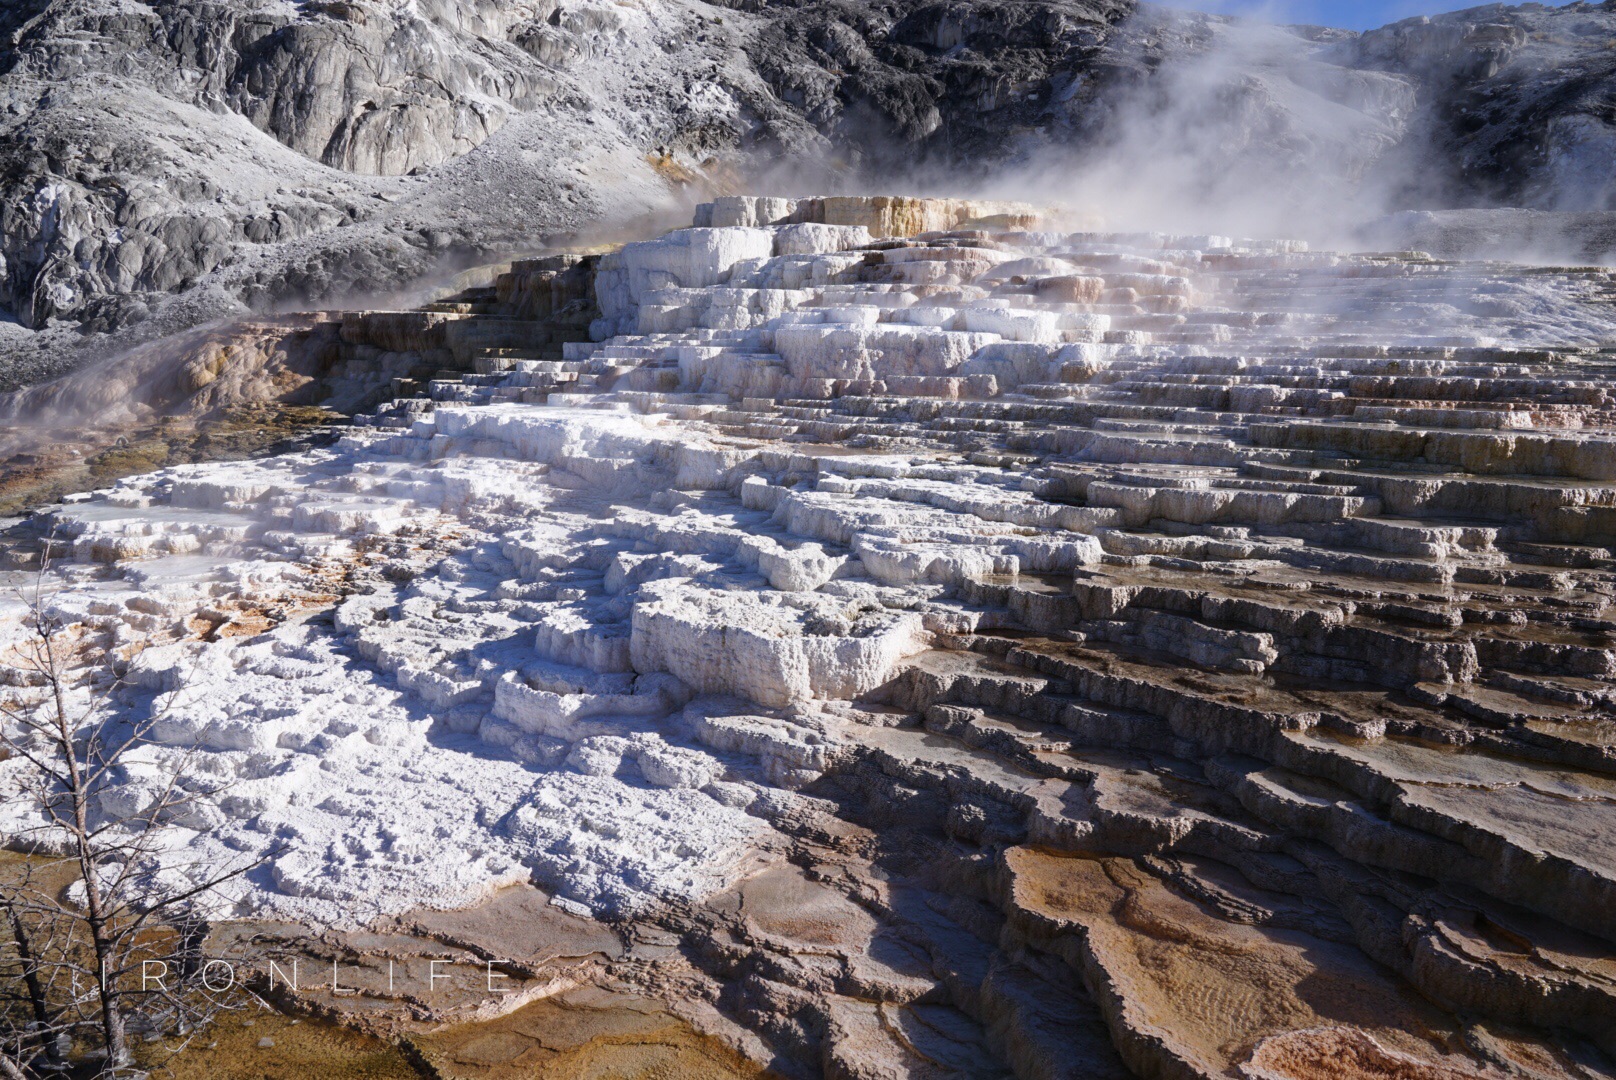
594,638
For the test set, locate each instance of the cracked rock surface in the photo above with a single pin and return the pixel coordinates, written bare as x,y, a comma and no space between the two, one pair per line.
918,638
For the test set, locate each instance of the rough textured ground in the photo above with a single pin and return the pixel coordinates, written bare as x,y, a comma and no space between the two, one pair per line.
164,164
924,639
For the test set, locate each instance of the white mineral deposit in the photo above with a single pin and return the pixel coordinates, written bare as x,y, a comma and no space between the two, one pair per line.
1187,655
869,637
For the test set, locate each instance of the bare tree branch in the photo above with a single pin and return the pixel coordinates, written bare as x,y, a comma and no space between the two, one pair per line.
80,957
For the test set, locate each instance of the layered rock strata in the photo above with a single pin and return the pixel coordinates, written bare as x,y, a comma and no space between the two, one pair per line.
244,387
997,650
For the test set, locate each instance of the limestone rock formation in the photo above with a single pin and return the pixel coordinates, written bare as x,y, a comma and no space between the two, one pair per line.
1005,649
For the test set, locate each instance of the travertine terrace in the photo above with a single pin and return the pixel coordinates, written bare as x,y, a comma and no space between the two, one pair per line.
942,641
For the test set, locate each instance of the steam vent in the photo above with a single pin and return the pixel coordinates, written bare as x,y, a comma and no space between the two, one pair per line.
907,638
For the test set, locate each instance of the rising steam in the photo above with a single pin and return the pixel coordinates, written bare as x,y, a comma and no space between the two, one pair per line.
1230,126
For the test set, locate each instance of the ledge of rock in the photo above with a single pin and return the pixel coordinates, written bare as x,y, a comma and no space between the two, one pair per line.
929,638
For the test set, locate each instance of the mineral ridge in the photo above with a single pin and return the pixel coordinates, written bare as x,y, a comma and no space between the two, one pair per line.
982,648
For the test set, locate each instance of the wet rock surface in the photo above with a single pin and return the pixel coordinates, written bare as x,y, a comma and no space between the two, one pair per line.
1002,649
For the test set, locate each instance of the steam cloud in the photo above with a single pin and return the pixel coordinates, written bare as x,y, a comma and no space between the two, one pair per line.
1235,127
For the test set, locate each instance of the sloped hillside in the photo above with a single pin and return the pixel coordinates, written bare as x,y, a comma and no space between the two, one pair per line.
164,163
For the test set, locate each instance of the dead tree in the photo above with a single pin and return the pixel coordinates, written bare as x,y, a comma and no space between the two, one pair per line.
99,941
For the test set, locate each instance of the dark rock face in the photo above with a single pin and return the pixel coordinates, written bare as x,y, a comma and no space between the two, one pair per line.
953,82
1518,104
168,162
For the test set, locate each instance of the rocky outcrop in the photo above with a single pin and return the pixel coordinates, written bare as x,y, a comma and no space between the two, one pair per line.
229,152
1008,649
247,154
1515,104
164,164
244,386
960,82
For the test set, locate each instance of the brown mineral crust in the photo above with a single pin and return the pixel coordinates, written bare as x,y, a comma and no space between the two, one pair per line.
1189,994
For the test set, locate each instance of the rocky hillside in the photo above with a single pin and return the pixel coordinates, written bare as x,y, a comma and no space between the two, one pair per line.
166,162
1518,105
